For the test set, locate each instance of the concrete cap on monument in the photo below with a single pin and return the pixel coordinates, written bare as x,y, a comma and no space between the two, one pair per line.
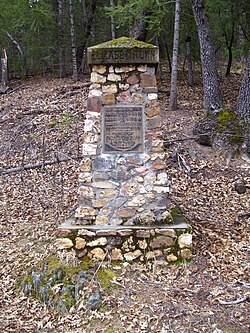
123,51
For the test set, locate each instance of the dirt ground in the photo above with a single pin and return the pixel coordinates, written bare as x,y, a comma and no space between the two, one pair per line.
41,120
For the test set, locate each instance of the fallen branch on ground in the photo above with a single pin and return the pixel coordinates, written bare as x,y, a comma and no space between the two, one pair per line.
35,165
240,300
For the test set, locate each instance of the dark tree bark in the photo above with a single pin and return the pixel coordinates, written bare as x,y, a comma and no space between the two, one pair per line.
88,17
139,28
189,62
211,82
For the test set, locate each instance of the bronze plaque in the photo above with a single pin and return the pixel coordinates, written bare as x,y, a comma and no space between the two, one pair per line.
123,129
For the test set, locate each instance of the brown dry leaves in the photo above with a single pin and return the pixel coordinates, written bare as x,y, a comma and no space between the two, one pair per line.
42,118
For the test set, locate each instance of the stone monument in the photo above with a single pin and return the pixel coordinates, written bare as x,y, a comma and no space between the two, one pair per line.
122,209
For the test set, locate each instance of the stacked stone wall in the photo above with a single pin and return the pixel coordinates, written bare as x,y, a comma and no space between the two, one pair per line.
123,188
169,244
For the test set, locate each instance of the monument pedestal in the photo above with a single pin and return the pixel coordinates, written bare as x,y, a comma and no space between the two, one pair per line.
123,184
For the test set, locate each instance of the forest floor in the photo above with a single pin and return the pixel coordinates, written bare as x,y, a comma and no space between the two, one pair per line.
42,119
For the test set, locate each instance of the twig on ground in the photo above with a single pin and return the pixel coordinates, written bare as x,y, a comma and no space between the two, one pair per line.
240,300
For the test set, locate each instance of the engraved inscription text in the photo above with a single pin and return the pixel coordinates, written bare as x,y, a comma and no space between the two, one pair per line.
123,129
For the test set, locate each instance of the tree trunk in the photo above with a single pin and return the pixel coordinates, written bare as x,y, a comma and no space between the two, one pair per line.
211,82
88,17
189,62
173,90
61,52
139,27
112,21
243,101
4,67
21,54
73,41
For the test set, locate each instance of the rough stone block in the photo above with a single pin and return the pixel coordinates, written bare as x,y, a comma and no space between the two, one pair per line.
142,233
94,104
111,88
97,254
99,69
80,243
98,242
161,242
97,78
148,80
108,99
154,111
64,243
185,240
154,122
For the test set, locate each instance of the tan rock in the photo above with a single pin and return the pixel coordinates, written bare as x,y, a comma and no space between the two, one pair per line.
108,193
114,77
98,242
159,165
153,254
125,232
97,254
171,257
86,233
97,78
60,233
86,165
100,203
85,212
137,201
107,232
99,69
142,244
105,184
124,69
130,256
101,220
126,212
80,243
108,99
142,68
116,254
151,112
90,137
111,88
186,254
64,243
185,240
85,192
